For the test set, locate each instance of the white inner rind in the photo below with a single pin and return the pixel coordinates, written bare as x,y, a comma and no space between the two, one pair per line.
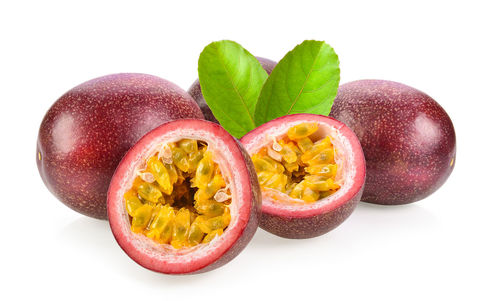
344,160
165,252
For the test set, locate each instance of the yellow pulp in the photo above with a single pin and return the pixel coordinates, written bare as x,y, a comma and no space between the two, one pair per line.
298,166
181,197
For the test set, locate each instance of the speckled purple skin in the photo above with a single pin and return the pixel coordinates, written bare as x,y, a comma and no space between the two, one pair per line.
407,138
299,228
195,90
86,132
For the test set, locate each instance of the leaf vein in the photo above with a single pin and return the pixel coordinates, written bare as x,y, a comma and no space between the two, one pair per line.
240,97
303,84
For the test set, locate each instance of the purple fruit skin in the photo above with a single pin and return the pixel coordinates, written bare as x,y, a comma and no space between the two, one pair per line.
86,132
407,138
300,228
195,90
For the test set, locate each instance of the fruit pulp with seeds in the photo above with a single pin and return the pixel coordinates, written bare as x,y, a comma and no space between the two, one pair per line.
181,197
299,165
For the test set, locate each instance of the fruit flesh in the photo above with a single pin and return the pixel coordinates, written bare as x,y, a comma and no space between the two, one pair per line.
280,214
181,198
234,163
300,165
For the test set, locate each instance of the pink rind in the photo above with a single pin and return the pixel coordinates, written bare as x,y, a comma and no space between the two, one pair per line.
316,221
252,225
242,235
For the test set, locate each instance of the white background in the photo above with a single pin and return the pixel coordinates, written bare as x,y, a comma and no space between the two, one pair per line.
445,247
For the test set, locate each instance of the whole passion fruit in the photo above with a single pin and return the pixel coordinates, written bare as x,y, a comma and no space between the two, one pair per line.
195,90
185,198
311,171
87,131
407,138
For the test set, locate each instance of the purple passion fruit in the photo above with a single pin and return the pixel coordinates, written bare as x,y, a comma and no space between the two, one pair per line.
185,199
407,138
87,131
311,171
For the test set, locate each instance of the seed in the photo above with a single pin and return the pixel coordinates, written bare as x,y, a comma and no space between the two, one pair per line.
141,218
274,154
181,226
180,159
221,196
326,170
204,171
289,155
209,208
214,223
304,144
310,195
188,145
304,169
210,236
302,130
149,192
165,154
161,174
195,234
320,183
276,146
157,228
181,191
132,202
147,177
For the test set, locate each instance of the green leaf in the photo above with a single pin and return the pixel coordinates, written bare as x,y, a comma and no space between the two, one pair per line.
231,79
304,81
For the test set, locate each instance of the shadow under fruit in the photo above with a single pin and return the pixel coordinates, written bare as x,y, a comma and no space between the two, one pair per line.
86,132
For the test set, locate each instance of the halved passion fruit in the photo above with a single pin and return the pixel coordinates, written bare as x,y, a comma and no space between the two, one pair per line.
184,199
311,170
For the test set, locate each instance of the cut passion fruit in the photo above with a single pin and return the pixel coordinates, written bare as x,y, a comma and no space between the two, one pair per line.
311,171
184,199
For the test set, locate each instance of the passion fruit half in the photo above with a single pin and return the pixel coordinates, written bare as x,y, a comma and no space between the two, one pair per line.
86,132
408,139
311,170
185,199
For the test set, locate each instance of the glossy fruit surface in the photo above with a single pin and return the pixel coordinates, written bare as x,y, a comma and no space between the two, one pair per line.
195,90
316,196
407,138
242,186
87,131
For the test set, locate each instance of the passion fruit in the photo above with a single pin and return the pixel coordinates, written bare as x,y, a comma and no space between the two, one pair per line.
184,199
195,90
311,171
407,138
87,131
